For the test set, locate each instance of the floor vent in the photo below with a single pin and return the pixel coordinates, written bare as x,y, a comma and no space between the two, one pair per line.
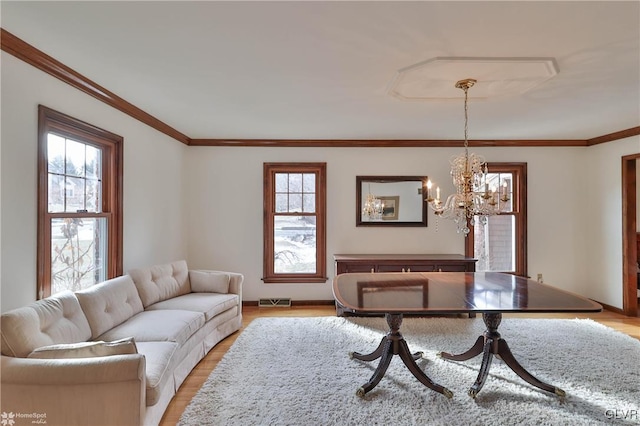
273,303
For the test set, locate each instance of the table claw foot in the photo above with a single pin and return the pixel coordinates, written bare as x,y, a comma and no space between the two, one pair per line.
473,392
350,355
360,392
560,392
439,354
446,392
418,355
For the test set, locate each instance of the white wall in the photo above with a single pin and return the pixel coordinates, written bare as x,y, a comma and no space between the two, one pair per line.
205,203
153,166
225,218
225,189
604,227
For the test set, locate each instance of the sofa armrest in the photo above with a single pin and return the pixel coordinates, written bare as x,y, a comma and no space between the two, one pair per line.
235,287
235,283
77,391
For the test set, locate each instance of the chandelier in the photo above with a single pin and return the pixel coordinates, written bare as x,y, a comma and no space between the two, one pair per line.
473,197
373,207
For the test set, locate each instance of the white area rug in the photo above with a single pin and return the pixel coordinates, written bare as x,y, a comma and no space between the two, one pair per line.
296,371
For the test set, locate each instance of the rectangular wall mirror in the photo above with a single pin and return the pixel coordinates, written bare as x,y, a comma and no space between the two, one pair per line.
391,201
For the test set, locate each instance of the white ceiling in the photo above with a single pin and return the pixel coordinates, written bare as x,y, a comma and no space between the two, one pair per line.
321,70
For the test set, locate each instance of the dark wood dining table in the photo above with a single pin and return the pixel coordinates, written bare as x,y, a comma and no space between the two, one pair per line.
443,293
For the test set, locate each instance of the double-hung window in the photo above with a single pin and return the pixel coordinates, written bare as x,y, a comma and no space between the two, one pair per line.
501,244
79,204
294,222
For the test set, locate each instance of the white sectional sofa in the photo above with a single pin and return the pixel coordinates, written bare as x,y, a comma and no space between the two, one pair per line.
115,353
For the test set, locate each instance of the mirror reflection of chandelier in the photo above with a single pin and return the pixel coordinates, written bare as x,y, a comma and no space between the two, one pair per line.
473,197
372,207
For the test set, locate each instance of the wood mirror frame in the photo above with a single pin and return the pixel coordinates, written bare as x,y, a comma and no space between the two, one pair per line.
406,193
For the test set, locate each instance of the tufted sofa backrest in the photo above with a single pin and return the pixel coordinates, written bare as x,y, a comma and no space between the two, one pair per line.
161,282
49,321
109,303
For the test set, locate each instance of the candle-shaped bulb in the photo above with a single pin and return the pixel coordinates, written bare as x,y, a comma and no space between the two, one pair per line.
437,193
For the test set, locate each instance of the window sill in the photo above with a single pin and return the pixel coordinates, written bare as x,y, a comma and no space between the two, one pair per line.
294,280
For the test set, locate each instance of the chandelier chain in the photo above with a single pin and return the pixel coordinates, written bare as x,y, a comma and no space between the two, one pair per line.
466,118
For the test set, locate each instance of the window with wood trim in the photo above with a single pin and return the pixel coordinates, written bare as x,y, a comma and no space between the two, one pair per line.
79,204
294,222
501,244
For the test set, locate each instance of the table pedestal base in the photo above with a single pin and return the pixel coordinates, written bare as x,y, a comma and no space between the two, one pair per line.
490,344
394,344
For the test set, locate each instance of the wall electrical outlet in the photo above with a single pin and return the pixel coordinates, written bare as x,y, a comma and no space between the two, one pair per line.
539,278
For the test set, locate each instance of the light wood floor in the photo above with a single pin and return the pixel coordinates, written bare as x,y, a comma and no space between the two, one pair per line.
192,384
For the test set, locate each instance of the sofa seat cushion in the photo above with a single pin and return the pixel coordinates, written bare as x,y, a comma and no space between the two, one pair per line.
160,325
160,362
210,304
54,320
86,349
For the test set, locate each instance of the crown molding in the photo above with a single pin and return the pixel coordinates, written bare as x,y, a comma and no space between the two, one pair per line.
382,143
622,134
22,50
40,60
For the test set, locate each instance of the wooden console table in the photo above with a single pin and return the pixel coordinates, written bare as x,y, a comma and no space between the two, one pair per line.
371,263
403,263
